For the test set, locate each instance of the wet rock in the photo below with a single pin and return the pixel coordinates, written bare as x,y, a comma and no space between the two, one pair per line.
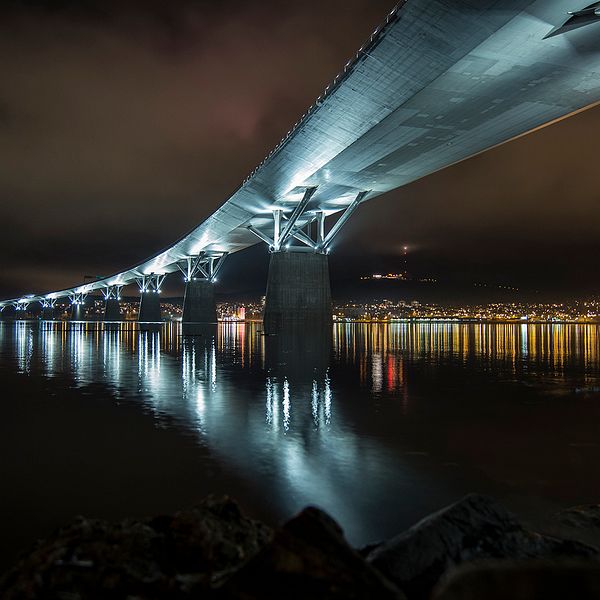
522,580
585,516
165,557
308,558
476,527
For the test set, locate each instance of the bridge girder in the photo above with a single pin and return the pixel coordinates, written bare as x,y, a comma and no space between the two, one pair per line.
282,240
77,298
112,292
150,284
206,265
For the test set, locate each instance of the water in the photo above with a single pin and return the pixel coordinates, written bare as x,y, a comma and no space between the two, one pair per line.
379,424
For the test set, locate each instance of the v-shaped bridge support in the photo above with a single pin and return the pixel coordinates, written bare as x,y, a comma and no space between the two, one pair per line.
199,273
300,226
298,287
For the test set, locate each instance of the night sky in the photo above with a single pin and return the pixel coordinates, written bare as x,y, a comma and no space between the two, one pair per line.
125,124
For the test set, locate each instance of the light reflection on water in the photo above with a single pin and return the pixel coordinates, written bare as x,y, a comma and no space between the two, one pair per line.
353,419
524,352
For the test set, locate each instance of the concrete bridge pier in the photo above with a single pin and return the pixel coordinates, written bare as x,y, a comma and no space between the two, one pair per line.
48,309
48,313
150,297
7,312
199,302
149,307
200,273
77,312
298,290
77,306
21,311
112,308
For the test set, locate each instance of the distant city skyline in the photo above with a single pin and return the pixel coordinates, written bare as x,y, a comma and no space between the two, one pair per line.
378,310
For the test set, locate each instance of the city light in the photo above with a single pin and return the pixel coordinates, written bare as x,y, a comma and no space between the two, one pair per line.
382,310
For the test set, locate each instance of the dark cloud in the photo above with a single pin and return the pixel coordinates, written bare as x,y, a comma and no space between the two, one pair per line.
124,124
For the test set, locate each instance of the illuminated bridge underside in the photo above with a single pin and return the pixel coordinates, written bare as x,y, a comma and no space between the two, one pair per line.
440,81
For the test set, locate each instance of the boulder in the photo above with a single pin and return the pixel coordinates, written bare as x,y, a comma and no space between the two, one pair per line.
308,558
475,527
586,516
164,557
522,580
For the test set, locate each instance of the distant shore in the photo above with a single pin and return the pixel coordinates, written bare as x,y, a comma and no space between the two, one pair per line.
336,321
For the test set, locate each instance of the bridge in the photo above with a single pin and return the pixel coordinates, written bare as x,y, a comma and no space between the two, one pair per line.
438,82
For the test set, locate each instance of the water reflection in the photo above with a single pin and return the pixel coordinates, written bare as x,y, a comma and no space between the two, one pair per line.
24,346
199,375
149,362
111,355
381,351
302,416
296,364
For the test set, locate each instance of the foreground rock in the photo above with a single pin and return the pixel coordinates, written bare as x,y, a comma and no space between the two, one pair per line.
586,516
214,552
529,580
165,557
309,558
476,527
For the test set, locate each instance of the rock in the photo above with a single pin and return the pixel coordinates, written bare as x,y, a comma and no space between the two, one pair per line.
586,516
164,557
213,537
522,580
473,528
308,558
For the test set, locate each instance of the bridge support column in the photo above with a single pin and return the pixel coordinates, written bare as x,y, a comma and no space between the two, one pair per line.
77,305
112,309
298,290
199,302
149,307
77,312
48,310
150,298
199,274
21,307
48,314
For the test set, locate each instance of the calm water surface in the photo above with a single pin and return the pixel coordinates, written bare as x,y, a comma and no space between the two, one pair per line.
377,423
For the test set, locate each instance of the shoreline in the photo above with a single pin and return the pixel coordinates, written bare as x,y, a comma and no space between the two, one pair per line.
338,321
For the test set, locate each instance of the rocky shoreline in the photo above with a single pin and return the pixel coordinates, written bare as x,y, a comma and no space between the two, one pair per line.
473,549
